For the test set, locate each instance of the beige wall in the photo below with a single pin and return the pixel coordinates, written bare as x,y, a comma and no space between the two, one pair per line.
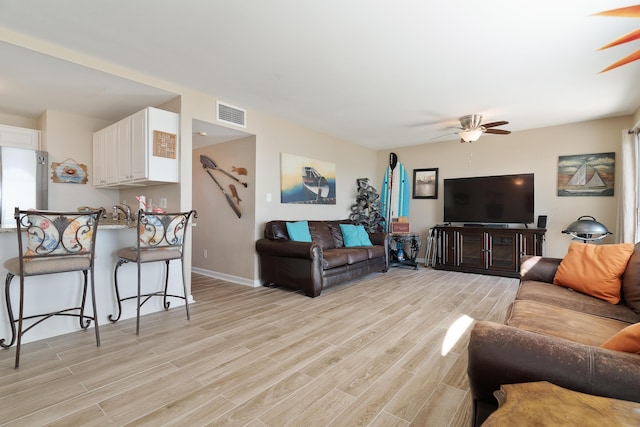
272,137
536,151
68,136
18,121
228,240
275,137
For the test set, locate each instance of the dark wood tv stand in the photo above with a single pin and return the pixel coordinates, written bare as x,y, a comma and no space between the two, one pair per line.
485,249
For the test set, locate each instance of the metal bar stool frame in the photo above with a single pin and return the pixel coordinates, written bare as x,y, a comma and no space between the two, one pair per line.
57,242
160,237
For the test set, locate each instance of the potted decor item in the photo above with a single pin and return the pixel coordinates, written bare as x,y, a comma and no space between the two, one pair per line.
366,210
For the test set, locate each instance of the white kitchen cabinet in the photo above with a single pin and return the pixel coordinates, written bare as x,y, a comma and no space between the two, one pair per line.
123,142
105,155
11,136
138,146
111,156
98,159
128,150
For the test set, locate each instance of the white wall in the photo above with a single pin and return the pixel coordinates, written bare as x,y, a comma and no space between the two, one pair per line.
536,151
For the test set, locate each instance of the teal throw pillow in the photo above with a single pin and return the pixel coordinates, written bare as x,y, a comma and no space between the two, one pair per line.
299,231
355,235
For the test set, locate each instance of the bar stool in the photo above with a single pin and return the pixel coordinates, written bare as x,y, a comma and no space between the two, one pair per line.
56,242
160,237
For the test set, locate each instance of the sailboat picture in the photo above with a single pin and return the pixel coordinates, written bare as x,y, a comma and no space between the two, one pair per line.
586,175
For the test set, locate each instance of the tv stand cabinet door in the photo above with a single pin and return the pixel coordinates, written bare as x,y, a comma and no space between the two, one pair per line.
472,248
502,250
531,243
448,244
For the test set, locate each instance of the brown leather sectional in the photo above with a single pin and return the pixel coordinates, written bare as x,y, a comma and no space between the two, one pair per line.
312,267
554,334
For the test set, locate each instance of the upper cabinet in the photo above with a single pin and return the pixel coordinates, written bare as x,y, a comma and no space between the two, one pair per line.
11,136
141,149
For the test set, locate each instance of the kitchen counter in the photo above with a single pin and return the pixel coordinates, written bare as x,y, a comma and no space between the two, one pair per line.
44,292
110,224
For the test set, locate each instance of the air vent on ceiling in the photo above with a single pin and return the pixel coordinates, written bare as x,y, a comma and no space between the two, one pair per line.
232,115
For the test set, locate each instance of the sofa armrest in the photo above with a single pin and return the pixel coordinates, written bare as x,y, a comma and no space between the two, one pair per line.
500,354
382,239
289,248
538,268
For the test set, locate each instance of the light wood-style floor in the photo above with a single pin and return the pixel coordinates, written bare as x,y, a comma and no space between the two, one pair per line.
364,353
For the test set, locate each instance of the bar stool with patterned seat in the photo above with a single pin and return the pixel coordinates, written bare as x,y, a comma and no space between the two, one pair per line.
160,237
56,242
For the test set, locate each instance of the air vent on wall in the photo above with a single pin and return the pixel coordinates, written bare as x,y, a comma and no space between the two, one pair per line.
232,115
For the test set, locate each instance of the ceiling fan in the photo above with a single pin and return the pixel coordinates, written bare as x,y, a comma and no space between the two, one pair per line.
471,128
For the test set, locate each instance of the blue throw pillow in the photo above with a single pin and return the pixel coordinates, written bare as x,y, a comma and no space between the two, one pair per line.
299,231
355,235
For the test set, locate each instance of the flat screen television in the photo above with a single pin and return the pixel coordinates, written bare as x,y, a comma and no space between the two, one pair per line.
499,199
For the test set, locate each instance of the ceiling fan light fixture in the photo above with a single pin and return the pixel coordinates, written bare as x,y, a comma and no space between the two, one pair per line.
471,135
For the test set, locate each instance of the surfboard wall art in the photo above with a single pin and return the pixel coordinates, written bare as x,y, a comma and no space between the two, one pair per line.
395,193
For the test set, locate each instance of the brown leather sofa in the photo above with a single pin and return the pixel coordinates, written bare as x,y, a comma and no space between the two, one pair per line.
554,334
324,262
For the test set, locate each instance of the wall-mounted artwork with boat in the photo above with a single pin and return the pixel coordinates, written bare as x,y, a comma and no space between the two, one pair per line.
586,174
307,181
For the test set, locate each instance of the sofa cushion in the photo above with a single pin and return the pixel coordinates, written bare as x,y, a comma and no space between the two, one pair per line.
355,235
539,268
336,232
321,234
376,251
276,230
563,323
594,269
355,255
568,298
631,281
332,258
627,340
299,231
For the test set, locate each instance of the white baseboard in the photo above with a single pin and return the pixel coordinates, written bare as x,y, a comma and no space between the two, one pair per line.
227,277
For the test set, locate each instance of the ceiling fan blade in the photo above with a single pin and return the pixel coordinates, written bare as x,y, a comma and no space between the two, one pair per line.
494,124
498,131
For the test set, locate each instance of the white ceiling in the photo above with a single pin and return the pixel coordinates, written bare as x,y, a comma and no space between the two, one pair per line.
379,73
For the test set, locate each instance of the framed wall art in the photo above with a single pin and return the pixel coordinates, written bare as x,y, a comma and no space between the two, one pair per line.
69,172
307,181
586,174
425,183
164,144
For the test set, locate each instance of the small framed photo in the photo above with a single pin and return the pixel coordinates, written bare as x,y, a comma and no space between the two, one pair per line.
425,183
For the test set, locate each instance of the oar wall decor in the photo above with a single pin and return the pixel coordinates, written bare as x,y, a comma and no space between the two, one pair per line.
232,200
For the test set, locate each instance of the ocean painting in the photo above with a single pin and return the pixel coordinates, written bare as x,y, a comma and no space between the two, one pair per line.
307,181
586,174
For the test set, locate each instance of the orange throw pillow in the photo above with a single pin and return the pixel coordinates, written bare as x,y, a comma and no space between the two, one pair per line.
627,340
594,269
